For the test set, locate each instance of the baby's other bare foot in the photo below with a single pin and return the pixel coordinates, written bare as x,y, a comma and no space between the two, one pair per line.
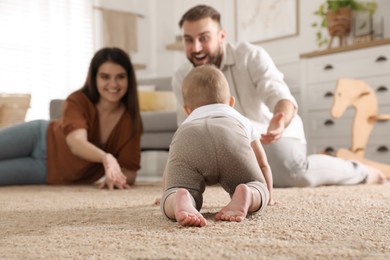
237,208
375,176
185,213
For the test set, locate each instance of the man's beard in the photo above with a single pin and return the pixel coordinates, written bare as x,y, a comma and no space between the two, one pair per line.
214,59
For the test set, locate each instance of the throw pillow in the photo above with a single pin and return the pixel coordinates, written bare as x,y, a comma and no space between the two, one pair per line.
156,100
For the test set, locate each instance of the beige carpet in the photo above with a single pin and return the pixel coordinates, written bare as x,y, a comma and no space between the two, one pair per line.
83,222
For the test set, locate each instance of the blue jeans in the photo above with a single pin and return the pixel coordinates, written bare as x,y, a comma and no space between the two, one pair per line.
23,153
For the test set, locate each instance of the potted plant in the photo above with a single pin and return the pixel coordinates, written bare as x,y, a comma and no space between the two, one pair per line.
336,15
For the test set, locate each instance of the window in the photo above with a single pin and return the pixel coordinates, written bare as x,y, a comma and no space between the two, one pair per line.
45,49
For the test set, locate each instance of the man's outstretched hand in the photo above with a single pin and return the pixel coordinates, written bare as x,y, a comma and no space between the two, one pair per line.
275,129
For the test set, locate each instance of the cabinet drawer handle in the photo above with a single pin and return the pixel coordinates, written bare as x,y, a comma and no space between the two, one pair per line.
381,59
328,67
381,89
328,94
329,150
329,122
382,149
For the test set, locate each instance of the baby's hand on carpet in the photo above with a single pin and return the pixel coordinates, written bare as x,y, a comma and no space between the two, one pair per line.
157,201
273,202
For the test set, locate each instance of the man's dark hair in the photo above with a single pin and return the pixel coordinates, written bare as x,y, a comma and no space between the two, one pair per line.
199,12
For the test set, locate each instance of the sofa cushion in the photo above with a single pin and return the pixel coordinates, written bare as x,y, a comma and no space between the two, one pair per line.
159,84
156,100
55,108
159,121
157,141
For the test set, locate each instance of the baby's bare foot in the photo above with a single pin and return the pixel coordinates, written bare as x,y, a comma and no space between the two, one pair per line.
375,176
237,208
185,213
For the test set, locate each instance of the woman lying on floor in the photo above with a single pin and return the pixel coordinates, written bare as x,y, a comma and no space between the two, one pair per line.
97,135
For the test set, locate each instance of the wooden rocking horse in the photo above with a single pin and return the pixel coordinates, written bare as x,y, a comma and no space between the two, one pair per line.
356,93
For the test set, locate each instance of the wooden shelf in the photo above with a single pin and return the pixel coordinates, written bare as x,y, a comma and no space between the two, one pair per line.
139,66
177,46
351,47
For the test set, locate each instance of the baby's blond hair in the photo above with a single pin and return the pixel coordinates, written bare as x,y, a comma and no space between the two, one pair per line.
205,85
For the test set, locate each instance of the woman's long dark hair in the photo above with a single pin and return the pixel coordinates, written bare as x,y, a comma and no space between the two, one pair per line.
130,99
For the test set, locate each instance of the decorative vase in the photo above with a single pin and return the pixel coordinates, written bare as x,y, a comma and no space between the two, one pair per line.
339,24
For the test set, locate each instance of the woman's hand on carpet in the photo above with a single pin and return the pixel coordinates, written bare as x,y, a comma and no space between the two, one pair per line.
109,184
114,177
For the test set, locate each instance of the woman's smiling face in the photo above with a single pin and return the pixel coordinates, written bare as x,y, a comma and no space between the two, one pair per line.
111,81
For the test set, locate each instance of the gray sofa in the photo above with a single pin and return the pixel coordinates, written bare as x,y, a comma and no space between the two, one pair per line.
159,126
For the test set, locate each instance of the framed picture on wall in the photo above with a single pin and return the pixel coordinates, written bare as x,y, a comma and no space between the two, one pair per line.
362,24
264,20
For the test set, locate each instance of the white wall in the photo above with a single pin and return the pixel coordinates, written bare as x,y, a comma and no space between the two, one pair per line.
160,27
291,48
146,27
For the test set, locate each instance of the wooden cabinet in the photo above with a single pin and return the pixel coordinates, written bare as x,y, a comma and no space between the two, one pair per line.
320,72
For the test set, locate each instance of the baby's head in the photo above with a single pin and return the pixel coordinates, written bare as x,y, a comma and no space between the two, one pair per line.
205,85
